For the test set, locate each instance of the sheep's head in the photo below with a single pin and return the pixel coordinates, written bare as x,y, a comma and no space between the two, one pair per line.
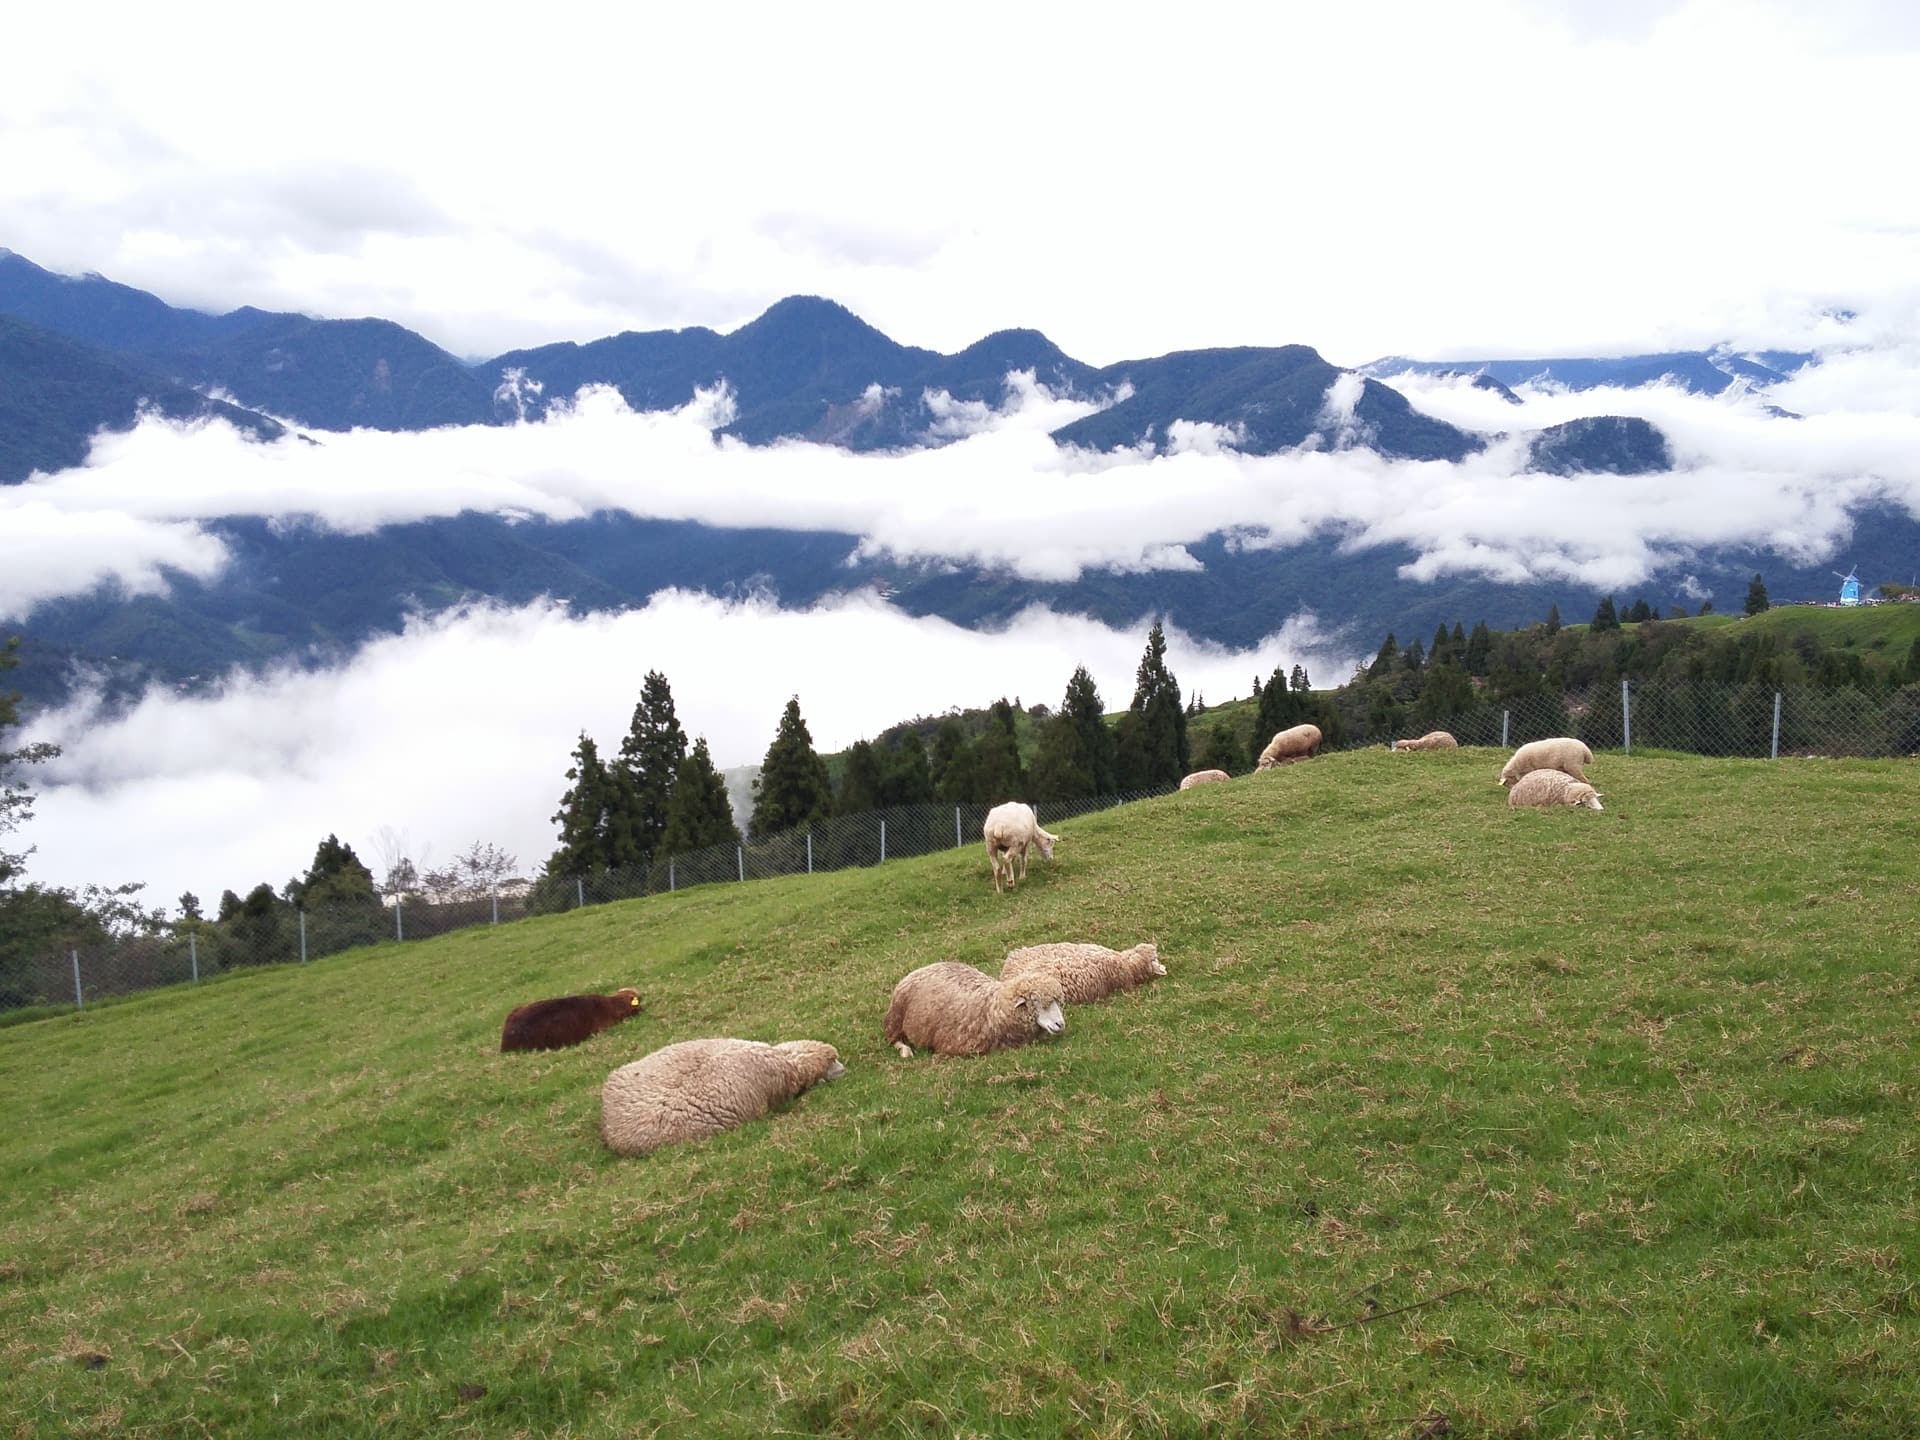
1041,1000
1151,953
630,996
814,1060
1046,842
1584,794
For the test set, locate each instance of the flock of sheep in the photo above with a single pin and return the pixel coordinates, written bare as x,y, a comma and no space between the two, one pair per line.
699,1088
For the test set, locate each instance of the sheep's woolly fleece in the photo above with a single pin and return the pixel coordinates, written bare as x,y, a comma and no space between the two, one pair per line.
1432,740
1086,971
699,1088
1562,752
568,1020
1204,777
1546,789
954,1009
1300,742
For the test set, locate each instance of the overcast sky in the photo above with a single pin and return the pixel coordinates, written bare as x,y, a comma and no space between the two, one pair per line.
1568,176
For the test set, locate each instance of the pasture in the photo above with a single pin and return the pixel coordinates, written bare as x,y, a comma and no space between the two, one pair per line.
1448,1120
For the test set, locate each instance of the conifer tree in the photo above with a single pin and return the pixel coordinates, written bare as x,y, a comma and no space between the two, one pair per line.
1131,768
1639,612
650,758
1059,770
1383,662
859,782
1301,684
1280,708
1163,723
1479,649
1441,650
336,876
998,774
1553,620
1757,597
905,776
1414,657
582,816
1604,616
792,787
952,766
1220,749
700,814
1084,710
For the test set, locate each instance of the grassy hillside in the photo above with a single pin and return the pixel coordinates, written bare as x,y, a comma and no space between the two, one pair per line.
1550,1124
1888,628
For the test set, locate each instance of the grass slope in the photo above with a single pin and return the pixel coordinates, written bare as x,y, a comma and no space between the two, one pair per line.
1552,1124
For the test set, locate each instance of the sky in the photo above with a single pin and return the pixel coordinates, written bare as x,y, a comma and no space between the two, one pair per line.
1566,176
1556,178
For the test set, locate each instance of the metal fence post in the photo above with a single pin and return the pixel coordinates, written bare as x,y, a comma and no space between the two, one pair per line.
669,872
193,956
399,930
883,842
79,1000
1776,726
580,890
303,936
1505,716
740,855
496,907
809,849
956,827
1626,719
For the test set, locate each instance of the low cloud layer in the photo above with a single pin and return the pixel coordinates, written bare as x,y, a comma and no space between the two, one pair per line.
1005,497
460,729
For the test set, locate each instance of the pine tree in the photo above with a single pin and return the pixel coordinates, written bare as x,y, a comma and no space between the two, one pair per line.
700,814
1083,709
1279,709
952,766
1156,700
1131,767
1383,662
1059,770
1640,612
1604,616
1479,649
792,787
1757,597
859,782
905,777
1220,749
998,773
1706,607
1441,650
336,877
1553,620
650,759
1414,657
582,816
1301,684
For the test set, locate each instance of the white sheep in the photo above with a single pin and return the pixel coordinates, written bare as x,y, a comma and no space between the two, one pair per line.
1204,777
1560,753
1546,789
954,1009
699,1088
1010,831
1300,742
1432,740
1085,971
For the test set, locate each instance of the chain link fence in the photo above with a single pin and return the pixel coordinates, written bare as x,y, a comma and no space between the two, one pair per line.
1704,719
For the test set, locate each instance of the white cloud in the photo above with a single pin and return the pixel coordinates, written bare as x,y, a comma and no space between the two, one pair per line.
420,733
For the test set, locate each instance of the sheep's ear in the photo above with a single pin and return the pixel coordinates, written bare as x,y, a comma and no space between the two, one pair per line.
1021,1001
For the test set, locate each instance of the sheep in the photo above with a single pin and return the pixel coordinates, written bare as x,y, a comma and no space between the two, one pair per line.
699,1088
1545,789
1302,742
1432,740
1204,777
954,1009
1010,831
1560,753
556,1024
1086,972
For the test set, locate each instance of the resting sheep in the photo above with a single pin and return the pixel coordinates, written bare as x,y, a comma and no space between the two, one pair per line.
1545,789
954,1009
1432,740
703,1087
1301,742
1204,777
1086,972
1560,753
1010,831
556,1024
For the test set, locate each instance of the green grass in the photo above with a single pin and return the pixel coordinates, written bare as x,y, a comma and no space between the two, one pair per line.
1889,630
1624,1104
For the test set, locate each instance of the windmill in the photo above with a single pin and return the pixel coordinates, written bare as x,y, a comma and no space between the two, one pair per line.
1849,586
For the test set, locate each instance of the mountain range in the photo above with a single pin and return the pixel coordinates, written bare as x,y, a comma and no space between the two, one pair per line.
78,355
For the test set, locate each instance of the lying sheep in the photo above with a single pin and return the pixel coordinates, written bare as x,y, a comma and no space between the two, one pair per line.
1204,777
1432,740
1302,742
703,1087
1010,831
1086,972
1544,789
1560,753
954,1009
556,1024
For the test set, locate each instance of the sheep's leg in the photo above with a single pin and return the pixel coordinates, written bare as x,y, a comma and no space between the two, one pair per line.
906,1050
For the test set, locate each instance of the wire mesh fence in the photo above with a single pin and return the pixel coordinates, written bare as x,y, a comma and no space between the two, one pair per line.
1749,720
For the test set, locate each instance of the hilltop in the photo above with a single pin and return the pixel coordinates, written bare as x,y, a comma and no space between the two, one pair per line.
1398,1138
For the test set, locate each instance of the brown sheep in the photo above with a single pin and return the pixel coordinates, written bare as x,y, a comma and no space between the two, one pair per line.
1432,740
1204,777
556,1024
699,1088
1301,742
954,1009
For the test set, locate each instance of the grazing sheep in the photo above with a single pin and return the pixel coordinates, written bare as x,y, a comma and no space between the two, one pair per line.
1302,742
1204,777
1545,789
703,1087
556,1024
1086,972
1432,740
1011,830
1560,753
954,1009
